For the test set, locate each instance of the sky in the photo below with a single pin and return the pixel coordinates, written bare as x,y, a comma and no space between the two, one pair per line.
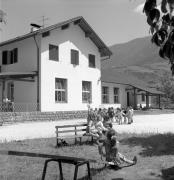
115,21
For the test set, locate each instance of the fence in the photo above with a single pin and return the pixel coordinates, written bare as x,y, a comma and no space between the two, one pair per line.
18,107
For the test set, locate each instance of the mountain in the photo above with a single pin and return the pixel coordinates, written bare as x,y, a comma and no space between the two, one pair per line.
139,58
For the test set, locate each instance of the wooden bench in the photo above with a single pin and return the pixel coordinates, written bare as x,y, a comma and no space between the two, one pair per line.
71,131
55,158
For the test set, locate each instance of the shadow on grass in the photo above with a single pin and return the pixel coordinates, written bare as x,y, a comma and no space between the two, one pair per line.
153,145
168,174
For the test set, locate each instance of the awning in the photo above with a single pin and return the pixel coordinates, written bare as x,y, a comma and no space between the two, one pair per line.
18,76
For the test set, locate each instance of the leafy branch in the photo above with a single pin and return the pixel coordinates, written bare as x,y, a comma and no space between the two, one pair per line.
161,24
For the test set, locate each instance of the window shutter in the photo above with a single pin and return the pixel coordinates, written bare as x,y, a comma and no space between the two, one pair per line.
74,57
91,60
53,52
4,57
15,55
11,57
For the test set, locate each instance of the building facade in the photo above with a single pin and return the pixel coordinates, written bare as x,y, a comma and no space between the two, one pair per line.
57,68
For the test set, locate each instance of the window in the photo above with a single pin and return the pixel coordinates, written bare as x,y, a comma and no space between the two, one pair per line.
116,95
105,94
86,92
91,60
60,90
143,97
10,57
53,52
74,57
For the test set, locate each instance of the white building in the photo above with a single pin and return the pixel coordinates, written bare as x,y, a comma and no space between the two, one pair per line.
122,90
57,68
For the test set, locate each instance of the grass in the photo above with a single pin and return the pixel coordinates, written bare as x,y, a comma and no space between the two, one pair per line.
154,151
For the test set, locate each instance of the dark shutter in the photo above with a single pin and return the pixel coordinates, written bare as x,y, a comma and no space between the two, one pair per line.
4,57
15,55
74,57
53,52
91,60
11,60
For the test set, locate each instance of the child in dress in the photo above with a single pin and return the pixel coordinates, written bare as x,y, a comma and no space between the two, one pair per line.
112,155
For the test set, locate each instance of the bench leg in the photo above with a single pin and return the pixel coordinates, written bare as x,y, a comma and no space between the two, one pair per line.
80,140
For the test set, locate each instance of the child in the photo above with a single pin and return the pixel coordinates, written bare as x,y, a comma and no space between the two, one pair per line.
130,114
112,155
119,116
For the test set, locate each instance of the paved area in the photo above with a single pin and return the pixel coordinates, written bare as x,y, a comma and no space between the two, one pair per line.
162,123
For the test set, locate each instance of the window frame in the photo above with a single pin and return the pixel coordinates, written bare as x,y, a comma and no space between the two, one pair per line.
91,61
88,92
61,91
55,55
74,54
105,96
116,95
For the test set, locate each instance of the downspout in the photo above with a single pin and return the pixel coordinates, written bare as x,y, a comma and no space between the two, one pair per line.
38,74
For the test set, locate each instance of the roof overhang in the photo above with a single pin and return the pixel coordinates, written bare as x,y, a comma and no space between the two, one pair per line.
18,76
81,22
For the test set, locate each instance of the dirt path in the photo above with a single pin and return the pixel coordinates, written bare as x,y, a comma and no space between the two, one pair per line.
162,123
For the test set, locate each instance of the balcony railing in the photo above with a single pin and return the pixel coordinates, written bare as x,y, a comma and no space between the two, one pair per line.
18,107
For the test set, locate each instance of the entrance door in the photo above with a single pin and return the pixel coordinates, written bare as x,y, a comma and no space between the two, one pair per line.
128,99
10,91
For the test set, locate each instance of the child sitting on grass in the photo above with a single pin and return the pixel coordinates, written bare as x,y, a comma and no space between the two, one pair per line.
112,155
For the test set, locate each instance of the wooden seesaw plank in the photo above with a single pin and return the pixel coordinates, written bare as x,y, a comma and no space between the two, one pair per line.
32,154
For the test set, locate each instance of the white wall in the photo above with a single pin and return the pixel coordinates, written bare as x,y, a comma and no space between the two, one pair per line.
122,95
71,38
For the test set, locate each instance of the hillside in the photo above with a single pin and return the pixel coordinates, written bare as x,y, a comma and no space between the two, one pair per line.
139,58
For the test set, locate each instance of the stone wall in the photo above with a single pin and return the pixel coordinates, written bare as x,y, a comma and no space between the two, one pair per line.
13,117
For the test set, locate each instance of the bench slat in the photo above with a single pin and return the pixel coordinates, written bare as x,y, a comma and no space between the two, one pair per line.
72,125
71,130
70,137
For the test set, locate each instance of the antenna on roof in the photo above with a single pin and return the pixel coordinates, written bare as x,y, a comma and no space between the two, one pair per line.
43,19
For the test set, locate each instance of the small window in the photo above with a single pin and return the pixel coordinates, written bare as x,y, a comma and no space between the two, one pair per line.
86,92
105,95
53,52
74,57
45,34
60,90
92,60
143,97
116,95
10,57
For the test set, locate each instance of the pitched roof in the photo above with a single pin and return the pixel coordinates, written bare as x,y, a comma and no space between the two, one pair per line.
112,76
81,22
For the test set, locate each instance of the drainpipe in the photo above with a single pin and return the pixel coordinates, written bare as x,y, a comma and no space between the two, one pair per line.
38,73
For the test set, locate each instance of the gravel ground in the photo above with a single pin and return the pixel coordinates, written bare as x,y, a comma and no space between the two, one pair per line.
162,123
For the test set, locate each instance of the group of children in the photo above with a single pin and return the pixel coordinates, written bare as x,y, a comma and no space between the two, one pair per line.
100,126
119,115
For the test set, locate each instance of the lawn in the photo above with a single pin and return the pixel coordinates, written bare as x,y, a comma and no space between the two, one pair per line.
154,151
